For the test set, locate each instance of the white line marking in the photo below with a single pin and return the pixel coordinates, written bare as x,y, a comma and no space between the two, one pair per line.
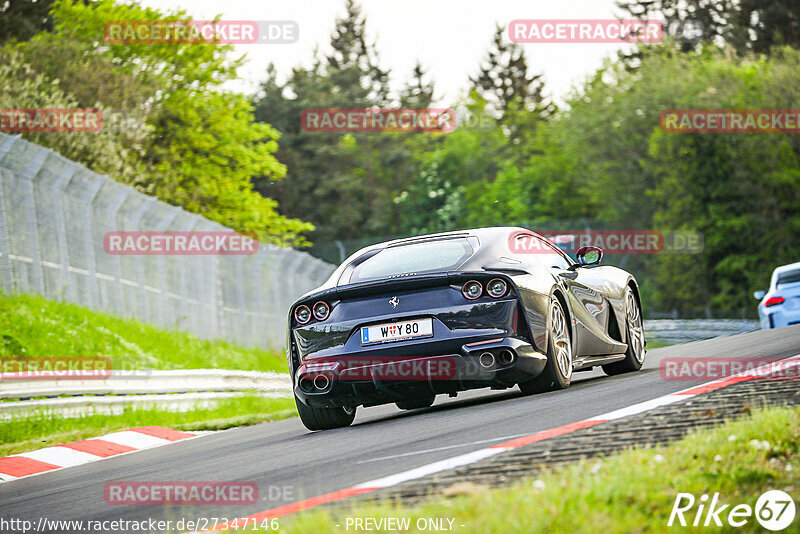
435,467
504,438
642,407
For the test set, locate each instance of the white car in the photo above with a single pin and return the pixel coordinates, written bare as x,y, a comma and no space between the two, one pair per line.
780,305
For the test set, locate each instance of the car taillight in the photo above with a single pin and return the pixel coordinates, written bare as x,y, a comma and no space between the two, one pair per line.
496,288
321,311
302,314
472,290
774,301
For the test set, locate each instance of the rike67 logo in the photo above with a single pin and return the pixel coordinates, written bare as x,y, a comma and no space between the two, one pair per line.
774,510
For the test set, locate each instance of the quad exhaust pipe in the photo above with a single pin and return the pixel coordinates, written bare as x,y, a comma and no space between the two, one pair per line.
321,382
317,384
505,357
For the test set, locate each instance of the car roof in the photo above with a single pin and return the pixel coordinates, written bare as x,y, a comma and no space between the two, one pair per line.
783,269
487,232
493,243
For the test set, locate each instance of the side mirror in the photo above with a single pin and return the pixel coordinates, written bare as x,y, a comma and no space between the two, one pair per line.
589,255
760,294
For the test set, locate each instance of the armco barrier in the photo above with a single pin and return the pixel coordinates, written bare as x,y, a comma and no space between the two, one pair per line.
176,390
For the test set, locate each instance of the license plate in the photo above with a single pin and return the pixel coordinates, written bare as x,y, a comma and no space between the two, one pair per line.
382,333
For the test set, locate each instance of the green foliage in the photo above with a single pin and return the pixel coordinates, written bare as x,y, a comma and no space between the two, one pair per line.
605,157
33,326
746,25
342,182
174,133
115,150
22,19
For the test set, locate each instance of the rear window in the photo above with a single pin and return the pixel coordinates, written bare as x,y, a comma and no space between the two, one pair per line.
789,277
414,258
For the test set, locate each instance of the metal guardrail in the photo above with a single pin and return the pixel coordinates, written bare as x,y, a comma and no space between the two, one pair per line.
175,390
687,330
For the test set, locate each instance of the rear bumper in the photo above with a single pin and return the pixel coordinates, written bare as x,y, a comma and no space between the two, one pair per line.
779,318
353,380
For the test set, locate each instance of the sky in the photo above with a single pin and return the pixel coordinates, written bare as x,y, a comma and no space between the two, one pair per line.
449,37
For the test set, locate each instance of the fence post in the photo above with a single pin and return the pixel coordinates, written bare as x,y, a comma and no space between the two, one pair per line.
182,265
31,214
166,219
6,275
65,288
113,211
260,323
136,222
88,235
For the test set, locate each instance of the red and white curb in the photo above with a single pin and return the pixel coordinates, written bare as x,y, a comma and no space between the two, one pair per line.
472,457
40,461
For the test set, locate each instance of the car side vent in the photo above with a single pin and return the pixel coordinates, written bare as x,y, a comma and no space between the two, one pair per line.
613,328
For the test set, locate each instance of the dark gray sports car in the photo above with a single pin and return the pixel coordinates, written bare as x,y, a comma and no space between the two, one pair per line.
403,321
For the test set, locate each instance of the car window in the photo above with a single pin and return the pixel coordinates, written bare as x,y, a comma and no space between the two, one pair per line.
532,248
788,277
427,256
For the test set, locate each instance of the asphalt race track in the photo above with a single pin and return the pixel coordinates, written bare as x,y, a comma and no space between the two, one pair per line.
298,464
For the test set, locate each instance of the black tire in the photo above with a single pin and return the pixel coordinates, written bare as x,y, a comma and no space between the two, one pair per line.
634,354
324,418
553,378
416,403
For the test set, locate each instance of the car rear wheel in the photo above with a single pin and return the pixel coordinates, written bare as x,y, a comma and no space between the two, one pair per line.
324,418
557,374
634,355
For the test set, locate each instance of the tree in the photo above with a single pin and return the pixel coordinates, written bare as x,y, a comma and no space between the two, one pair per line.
114,150
353,65
197,146
503,79
746,25
22,19
341,182
417,93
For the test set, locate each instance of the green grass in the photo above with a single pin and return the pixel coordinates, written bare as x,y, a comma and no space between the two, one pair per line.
656,344
45,429
633,491
33,326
